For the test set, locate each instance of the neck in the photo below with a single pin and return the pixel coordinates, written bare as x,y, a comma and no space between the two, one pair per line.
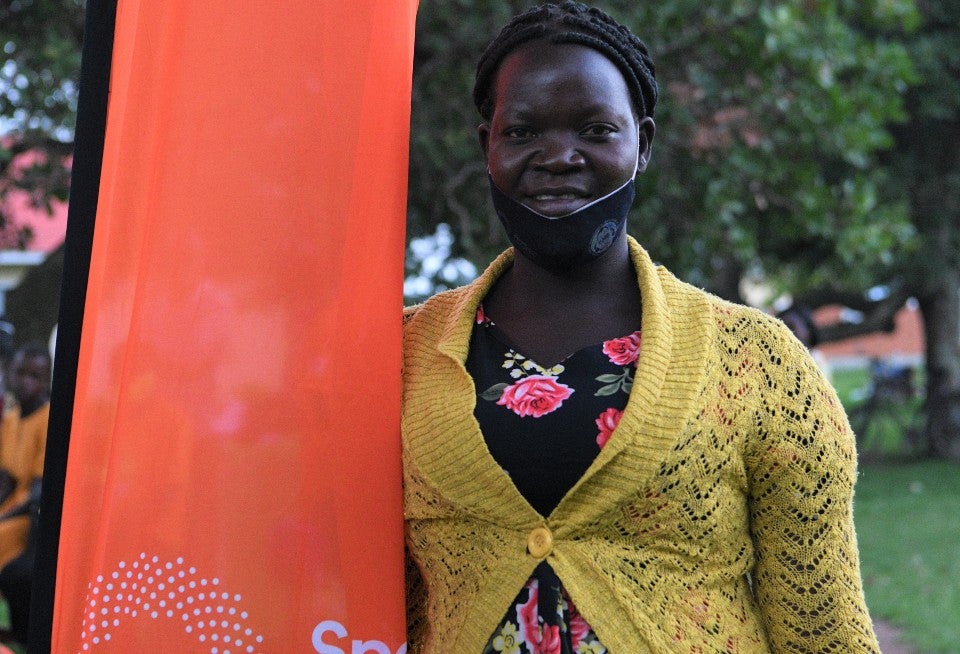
593,281
604,287
548,316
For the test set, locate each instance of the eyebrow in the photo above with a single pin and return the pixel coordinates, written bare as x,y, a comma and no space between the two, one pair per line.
529,112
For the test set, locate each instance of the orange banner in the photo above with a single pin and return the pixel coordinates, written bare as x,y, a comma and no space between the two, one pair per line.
233,481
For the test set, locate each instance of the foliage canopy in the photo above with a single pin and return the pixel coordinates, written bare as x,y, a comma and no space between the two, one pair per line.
771,118
39,67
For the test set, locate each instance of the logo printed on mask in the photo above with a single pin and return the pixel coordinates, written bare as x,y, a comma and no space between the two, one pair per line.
604,236
559,244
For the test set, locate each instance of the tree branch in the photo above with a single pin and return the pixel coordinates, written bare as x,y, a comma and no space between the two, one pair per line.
878,315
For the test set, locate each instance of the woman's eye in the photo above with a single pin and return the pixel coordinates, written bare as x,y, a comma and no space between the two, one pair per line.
598,130
519,132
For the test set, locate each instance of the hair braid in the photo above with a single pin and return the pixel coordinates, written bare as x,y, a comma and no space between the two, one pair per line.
571,22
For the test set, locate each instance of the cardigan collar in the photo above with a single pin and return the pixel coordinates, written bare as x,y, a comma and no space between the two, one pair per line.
669,367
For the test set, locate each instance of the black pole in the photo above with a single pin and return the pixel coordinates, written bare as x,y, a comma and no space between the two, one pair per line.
94,86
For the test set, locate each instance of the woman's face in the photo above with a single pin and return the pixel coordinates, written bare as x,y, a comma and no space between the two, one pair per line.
564,131
29,379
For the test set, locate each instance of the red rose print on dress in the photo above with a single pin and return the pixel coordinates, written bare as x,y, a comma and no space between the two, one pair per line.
579,628
535,396
606,423
623,351
528,617
551,640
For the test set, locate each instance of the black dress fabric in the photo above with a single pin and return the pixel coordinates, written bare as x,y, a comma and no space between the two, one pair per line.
544,426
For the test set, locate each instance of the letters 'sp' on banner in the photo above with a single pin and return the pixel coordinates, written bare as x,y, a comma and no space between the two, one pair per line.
233,478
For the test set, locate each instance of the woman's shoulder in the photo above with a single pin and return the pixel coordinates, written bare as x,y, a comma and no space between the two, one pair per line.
446,304
410,311
726,310
441,316
439,304
737,320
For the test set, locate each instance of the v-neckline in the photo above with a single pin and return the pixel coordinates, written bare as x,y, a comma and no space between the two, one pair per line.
502,337
451,452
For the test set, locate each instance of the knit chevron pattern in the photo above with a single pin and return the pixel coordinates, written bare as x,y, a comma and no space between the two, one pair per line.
716,519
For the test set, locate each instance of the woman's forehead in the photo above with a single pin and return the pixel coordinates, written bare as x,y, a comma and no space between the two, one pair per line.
543,54
545,68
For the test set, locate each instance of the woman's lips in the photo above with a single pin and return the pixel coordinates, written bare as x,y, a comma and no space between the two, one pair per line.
556,203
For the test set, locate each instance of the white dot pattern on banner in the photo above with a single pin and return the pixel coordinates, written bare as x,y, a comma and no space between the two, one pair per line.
150,588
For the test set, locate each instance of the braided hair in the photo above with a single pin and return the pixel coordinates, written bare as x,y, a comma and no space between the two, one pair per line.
575,23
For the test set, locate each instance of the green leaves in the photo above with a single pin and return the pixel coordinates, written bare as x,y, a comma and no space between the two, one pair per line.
40,42
39,66
494,392
614,384
771,120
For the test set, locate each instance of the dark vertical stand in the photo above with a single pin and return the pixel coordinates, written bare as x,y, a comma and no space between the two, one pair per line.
84,190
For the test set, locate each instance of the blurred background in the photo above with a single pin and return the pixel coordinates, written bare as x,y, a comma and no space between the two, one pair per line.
807,161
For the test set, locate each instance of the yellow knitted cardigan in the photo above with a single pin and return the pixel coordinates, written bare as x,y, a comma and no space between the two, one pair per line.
716,519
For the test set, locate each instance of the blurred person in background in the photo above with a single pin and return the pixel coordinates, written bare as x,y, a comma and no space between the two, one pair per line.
23,439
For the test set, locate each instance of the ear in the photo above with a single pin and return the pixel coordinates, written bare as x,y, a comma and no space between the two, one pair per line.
483,134
646,130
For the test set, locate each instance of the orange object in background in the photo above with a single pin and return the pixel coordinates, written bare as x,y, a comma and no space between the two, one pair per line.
233,480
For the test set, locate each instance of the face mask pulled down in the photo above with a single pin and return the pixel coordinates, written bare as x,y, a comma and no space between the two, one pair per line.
561,243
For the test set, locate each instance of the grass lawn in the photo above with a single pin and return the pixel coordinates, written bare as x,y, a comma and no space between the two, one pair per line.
908,527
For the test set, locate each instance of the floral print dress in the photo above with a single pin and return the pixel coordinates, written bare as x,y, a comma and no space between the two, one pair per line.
544,427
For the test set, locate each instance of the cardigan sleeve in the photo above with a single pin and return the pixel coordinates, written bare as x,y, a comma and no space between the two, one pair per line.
418,626
801,469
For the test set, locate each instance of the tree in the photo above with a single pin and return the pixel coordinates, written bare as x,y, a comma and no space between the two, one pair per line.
774,120
923,167
770,120
925,163
812,142
41,61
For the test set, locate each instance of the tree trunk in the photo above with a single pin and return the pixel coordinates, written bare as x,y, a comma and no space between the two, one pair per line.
941,320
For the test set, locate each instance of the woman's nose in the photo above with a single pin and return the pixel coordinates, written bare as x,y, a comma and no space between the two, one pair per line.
559,152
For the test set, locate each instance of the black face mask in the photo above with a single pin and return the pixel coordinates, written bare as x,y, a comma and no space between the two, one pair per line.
559,244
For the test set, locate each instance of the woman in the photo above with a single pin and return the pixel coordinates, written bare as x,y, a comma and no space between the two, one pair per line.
597,456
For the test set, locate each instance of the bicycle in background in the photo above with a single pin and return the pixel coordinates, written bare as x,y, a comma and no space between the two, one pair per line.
888,423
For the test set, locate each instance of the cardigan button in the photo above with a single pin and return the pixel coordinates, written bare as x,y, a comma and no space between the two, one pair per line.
539,542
